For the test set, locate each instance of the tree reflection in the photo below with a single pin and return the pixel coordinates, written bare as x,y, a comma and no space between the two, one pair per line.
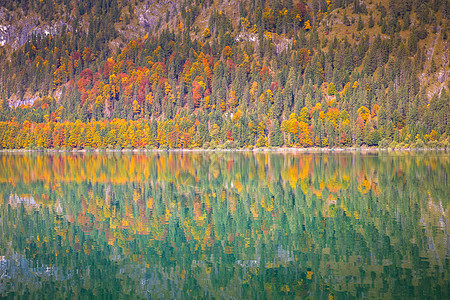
177,225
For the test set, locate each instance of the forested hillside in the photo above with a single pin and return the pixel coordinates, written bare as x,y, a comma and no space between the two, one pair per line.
224,74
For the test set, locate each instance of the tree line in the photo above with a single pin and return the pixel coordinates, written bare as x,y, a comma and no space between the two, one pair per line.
216,91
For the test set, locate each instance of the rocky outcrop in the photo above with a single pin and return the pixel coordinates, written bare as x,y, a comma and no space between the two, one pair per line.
16,29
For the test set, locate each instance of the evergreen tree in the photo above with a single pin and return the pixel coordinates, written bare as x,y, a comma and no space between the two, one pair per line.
276,138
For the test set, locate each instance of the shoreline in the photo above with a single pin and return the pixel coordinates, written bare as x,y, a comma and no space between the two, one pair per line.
256,150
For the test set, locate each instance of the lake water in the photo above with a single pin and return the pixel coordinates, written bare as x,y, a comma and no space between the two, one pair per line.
225,225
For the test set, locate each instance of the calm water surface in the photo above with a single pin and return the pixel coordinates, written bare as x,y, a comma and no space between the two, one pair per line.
225,225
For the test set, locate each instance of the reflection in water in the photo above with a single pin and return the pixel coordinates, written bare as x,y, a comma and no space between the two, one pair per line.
231,225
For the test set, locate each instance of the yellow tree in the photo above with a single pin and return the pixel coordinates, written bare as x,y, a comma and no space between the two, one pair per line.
364,113
232,99
293,124
227,52
122,138
304,134
253,91
74,134
92,137
89,137
304,115
262,139
285,128
40,141
47,133
161,136
215,133
266,97
131,136
146,136
307,25
136,109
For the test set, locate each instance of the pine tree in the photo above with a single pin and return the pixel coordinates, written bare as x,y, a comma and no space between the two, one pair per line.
360,24
276,138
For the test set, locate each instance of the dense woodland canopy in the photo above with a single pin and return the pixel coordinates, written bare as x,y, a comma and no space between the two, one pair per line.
267,74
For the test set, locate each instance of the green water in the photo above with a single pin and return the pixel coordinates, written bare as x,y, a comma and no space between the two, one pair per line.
225,225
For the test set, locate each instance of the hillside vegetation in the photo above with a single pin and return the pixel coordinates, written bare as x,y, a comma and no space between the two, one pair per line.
224,74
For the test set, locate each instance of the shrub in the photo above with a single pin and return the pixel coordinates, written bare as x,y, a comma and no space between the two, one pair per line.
213,145
419,144
384,143
393,145
230,145
433,144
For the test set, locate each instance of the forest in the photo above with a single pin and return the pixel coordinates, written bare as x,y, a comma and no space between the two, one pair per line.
264,74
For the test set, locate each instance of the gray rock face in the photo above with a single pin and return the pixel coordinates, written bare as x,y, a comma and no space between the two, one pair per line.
15,33
150,12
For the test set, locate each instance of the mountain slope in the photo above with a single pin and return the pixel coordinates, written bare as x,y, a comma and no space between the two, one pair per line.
253,73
